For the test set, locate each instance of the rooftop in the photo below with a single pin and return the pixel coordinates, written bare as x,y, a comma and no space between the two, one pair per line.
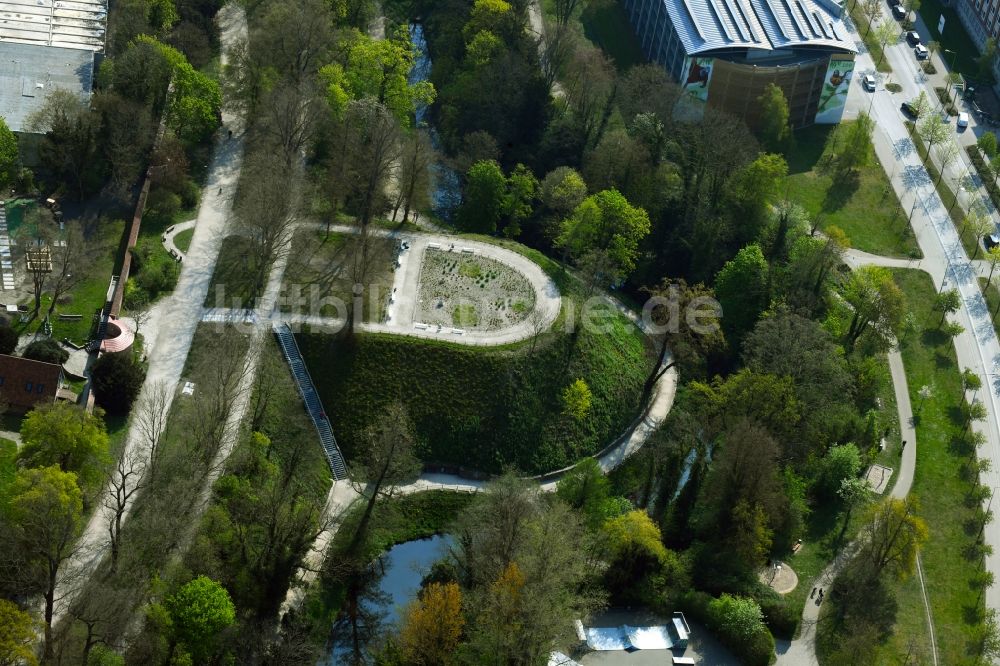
709,25
28,74
72,24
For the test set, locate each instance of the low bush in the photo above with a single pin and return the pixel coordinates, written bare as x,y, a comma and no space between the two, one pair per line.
8,340
748,640
46,350
985,174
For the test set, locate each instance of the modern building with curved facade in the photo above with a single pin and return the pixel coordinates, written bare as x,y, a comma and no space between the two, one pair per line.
723,53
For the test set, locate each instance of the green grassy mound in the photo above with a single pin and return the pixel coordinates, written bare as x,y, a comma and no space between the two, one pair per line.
485,409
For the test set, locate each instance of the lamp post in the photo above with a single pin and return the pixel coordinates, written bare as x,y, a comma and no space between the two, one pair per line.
951,68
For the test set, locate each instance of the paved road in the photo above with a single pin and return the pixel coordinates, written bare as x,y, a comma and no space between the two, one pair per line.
948,265
172,337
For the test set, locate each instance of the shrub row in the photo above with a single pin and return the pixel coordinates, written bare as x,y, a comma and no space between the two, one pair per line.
985,175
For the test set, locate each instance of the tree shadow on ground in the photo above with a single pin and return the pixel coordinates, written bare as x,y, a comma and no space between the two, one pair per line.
845,185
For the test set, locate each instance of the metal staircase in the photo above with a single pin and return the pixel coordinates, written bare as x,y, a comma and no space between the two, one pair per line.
307,390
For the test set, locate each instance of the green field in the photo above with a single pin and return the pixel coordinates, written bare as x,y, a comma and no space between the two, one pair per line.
183,239
941,485
862,204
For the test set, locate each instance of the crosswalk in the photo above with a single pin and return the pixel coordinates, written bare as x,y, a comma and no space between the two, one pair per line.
6,261
313,405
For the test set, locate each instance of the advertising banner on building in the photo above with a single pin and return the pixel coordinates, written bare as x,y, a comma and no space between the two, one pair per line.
833,96
695,79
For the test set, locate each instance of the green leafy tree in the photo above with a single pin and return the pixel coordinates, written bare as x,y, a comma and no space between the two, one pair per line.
854,492
46,513
885,32
988,144
199,612
379,69
522,189
947,302
10,160
753,190
842,462
17,636
194,104
608,224
742,287
739,617
878,303
857,150
563,189
932,131
577,399
774,129
101,655
891,537
920,105
65,435
586,489
486,201
117,379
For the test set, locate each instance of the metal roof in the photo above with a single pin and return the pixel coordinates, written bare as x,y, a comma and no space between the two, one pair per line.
74,24
28,74
708,25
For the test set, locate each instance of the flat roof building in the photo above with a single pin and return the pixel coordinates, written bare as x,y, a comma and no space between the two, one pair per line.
723,53
47,45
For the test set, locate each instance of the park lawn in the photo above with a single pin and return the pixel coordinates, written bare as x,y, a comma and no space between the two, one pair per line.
317,279
954,38
929,359
864,207
992,297
90,295
183,239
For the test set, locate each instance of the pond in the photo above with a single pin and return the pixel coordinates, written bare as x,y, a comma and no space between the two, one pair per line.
390,584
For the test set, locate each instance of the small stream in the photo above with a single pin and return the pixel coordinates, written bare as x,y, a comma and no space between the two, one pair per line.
447,193
390,584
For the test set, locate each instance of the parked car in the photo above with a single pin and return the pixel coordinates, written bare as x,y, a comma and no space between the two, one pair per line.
921,52
895,3
868,82
899,13
913,38
963,120
990,241
908,110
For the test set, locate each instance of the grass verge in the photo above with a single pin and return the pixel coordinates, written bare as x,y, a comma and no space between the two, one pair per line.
867,33
863,205
942,483
183,239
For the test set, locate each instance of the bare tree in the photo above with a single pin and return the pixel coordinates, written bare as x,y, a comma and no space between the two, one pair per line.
388,461
265,216
414,175
126,480
289,117
36,238
590,89
150,419
69,258
372,149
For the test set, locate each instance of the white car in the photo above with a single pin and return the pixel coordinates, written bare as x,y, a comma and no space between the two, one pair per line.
963,119
868,82
921,51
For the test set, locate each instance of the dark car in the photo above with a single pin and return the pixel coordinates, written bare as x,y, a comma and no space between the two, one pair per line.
908,110
899,13
895,3
913,37
991,241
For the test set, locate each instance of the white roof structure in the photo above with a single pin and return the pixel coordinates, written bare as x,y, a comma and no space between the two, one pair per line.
71,24
709,25
627,637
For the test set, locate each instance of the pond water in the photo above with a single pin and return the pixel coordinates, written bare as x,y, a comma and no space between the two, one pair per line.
392,582
447,193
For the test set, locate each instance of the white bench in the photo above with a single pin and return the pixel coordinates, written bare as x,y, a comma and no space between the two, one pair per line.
684,660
